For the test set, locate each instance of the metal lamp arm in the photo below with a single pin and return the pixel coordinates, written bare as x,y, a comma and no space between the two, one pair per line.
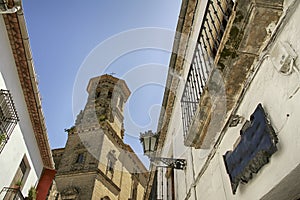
171,162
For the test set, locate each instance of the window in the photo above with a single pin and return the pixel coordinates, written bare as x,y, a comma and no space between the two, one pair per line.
80,158
121,101
110,167
134,186
23,167
214,23
109,94
21,172
111,161
97,95
13,192
170,183
8,117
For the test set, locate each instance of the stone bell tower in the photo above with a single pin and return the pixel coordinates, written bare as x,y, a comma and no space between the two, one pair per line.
107,96
96,163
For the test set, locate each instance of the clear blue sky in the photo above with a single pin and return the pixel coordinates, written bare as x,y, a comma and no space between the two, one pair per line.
66,34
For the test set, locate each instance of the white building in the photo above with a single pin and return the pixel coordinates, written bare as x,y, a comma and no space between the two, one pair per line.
25,155
231,105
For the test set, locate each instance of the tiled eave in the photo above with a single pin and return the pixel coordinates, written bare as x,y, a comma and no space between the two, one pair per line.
19,41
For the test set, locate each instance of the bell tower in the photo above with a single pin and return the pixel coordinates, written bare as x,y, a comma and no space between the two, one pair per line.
96,163
107,96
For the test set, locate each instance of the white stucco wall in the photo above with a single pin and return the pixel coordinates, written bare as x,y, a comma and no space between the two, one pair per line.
272,90
22,141
268,87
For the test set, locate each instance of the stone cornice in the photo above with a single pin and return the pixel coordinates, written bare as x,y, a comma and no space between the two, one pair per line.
120,143
108,182
19,41
119,82
75,172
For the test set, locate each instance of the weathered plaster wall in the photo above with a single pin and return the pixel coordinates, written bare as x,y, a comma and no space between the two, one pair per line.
268,87
273,90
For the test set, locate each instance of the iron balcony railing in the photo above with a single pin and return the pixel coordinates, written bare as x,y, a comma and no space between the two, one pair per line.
11,194
8,117
213,26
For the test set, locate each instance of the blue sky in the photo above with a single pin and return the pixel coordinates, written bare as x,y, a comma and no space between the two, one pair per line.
71,42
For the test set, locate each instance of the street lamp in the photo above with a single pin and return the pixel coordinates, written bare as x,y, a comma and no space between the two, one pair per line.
149,140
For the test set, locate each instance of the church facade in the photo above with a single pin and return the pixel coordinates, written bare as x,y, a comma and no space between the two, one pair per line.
96,163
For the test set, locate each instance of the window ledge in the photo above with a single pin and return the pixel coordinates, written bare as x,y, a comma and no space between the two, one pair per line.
196,135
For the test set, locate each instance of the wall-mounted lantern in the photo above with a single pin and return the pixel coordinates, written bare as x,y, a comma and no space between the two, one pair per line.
149,141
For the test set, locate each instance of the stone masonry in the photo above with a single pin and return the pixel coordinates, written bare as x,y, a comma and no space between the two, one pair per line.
96,163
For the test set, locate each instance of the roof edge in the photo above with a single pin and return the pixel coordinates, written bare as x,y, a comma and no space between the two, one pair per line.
19,40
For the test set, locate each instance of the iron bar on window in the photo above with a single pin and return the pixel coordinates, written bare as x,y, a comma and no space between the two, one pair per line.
8,117
213,26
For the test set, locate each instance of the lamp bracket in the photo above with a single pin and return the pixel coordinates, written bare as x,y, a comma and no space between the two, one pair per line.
171,162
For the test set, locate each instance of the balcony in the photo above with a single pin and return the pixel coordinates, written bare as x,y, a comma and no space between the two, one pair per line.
212,29
8,117
11,194
231,37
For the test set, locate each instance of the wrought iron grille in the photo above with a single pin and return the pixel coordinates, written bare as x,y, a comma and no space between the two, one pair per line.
8,117
213,26
11,194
